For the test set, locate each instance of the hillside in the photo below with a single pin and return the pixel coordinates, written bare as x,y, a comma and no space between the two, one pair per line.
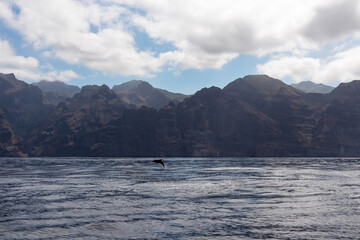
252,116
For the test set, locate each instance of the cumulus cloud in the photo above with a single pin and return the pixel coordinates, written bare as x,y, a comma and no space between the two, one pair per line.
27,68
214,32
342,67
202,34
298,68
210,33
82,32
334,21
8,59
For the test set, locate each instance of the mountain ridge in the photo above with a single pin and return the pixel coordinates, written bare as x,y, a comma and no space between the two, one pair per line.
140,93
251,116
311,87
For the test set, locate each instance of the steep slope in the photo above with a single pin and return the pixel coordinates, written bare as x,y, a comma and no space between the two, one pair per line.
141,93
286,106
210,123
338,131
74,127
9,145
214,123
311,87
22,104
173,97
252,116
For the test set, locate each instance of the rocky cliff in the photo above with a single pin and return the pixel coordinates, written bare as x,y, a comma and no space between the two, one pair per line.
22,105
9,144
76,126
252,116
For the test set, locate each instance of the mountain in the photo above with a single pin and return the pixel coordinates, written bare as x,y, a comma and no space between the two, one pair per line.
21,104
76,125
311,87
284,105
214,123
140,93
56,91
9,144
337,132
252,116
57,86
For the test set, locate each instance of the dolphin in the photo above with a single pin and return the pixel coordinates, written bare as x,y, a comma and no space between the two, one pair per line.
159,161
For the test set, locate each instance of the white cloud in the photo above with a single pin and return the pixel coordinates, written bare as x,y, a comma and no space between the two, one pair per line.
5,10
65,27
197,60
334,21
203,33
343,67
210,33
215,32
8,59
298,68
63,76
27,68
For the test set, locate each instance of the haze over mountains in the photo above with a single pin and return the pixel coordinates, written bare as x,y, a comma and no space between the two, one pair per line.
252,116
135,93
139,93
310,87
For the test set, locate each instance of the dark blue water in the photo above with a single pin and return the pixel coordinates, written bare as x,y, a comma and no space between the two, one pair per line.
211,198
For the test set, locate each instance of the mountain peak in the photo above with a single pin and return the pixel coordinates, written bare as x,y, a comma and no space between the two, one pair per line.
9,81
141,93
260,85
93,91
57,86
8,76
127,86
348,89
311,87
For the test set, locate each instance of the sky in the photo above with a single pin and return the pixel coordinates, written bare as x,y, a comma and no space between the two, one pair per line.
180,45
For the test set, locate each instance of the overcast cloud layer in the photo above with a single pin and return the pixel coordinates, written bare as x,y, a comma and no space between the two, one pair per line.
202,34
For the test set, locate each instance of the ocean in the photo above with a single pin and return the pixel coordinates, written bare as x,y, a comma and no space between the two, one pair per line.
192,198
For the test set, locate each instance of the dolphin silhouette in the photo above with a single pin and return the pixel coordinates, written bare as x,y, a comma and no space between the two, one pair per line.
159,161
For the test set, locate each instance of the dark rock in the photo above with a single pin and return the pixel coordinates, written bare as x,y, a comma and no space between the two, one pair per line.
9,144
337,132
75,128
251,116
22,104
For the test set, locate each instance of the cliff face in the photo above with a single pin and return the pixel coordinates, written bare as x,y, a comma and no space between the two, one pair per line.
75,126
284,105
252,116
337,132
9,145
22,104
214,123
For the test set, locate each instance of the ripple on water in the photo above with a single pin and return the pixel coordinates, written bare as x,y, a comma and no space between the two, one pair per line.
107,198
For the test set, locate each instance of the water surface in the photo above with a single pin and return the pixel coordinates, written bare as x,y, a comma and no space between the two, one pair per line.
205,198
